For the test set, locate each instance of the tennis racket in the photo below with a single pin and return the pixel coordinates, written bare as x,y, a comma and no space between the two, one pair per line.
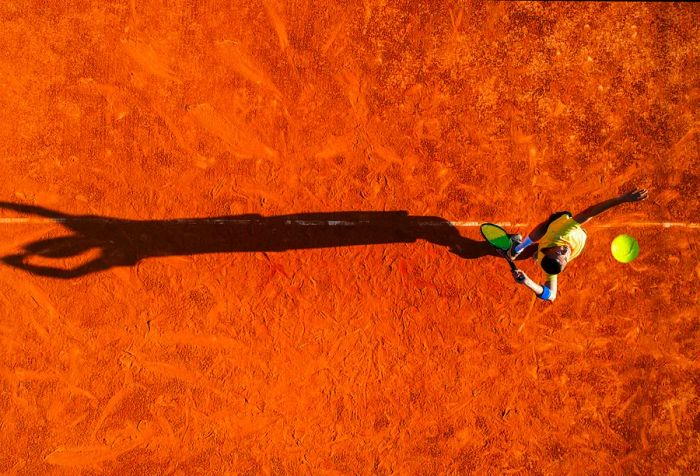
499,239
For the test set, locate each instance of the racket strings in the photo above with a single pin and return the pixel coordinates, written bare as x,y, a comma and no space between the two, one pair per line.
496,236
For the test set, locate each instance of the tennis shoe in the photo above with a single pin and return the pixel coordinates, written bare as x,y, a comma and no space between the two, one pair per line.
515,240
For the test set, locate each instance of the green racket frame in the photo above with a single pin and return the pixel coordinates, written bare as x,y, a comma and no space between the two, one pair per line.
499,239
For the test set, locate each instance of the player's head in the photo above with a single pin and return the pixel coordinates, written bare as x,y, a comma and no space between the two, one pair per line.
555,259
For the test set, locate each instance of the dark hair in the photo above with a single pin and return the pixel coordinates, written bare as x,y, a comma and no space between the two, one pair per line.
551,265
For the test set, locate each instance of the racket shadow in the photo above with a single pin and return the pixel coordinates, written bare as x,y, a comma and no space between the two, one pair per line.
108,242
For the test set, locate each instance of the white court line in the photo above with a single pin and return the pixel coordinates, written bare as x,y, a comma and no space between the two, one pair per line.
458,224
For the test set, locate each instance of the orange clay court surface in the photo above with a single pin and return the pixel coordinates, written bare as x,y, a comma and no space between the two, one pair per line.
326,306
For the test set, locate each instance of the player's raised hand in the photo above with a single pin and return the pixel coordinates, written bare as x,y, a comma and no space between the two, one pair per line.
635,195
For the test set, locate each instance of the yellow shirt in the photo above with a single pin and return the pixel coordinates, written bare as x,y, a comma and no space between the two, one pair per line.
562,231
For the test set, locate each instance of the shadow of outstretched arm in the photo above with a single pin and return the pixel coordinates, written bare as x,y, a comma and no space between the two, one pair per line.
33,210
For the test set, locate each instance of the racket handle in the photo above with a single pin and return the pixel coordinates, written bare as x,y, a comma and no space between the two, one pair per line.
514,268
512,265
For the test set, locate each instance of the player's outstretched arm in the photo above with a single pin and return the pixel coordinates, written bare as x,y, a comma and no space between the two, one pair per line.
548,292
634,195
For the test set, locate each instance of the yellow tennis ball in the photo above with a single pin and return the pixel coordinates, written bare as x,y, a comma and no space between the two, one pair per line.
624,248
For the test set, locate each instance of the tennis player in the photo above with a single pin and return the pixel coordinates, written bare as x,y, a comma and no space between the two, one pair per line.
559,240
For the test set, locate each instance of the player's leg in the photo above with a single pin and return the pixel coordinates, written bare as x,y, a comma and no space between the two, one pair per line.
536,234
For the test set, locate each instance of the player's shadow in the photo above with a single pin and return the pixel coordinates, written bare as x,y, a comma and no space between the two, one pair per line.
99,243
